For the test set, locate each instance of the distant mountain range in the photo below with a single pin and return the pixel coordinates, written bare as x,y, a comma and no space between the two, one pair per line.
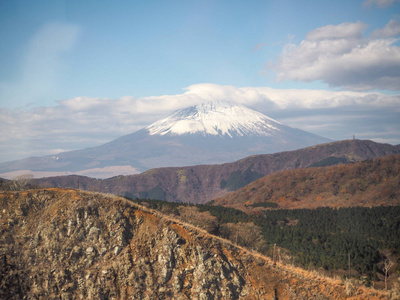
203,134
200,184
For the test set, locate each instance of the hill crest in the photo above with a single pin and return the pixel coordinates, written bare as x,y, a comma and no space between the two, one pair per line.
372,182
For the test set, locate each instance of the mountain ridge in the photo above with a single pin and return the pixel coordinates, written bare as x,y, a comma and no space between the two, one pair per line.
200,184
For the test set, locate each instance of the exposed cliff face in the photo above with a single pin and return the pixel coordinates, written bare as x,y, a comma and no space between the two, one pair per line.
66,244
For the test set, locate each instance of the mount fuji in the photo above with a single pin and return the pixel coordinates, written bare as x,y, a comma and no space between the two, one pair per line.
216,119
210,133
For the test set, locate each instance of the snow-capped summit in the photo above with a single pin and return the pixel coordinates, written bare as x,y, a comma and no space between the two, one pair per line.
215,118
211,133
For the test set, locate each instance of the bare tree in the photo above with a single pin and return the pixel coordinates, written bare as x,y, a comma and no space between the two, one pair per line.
244,234
21,182
205,220
387,265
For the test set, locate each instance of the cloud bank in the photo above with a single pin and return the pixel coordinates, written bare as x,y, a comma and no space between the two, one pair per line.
83,122
341,56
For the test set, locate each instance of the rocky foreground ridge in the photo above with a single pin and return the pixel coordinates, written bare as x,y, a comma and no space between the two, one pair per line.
69,244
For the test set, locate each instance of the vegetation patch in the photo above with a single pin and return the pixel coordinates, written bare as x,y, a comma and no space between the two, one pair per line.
265,204
239,179
156,193
330,161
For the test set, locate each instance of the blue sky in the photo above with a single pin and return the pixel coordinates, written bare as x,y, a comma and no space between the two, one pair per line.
68,65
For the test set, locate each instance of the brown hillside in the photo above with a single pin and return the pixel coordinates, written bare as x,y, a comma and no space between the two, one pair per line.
368,183
200,184
69,244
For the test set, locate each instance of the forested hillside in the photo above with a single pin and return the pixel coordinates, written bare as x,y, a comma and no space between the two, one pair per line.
368,183
202,183
324,238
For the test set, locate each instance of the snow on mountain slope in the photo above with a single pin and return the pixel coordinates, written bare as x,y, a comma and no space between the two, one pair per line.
212,133
215,118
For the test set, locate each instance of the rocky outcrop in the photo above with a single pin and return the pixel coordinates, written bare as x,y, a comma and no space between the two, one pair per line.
68,244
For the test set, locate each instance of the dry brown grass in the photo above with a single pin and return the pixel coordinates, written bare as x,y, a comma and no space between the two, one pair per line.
369,183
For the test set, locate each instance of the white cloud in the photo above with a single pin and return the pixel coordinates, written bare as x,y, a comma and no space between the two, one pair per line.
340,56
334,32
379,3
83,122
392,29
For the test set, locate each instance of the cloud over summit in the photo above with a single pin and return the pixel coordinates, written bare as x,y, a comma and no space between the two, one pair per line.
82,122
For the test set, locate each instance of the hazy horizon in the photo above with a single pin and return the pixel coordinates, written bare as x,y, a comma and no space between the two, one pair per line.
80,74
